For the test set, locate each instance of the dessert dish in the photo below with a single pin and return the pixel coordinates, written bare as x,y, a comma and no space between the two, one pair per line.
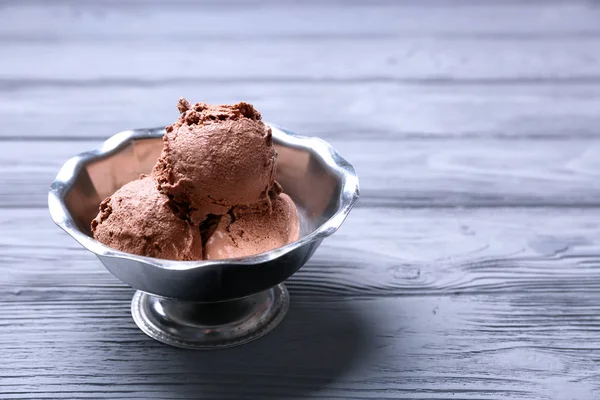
209,303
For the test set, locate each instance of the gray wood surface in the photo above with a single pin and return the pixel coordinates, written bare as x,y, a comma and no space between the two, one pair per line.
470,268
410,173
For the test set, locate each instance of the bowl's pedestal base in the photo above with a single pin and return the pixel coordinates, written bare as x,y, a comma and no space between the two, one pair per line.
210,325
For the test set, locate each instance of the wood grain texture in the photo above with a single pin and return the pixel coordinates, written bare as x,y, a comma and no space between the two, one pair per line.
407,173
335,110
377,252
519,346
429,304
159,45
199,20
388,69
426,61
470,268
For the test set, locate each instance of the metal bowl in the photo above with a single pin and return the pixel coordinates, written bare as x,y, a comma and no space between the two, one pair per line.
206,304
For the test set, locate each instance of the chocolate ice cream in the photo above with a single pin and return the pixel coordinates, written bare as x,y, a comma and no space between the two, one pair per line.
138,219
213,185
215,158
247,233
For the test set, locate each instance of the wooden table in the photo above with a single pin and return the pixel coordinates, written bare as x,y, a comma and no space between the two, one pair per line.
470,268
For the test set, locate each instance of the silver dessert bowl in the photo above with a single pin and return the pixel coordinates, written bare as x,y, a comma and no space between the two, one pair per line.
206,304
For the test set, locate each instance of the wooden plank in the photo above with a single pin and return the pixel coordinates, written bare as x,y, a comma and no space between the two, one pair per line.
431,304
399,304
192,21
519,346
377,253
369,110
445,105
409,173
139,61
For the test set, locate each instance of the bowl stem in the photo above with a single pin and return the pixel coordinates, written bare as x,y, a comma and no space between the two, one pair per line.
210,325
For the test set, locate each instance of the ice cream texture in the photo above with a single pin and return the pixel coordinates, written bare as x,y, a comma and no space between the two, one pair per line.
246,233
215,158
138,219
211,195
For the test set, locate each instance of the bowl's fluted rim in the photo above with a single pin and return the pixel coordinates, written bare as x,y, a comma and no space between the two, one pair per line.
67,175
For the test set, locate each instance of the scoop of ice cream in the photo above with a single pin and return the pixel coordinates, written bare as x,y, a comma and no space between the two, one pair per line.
241,234
215,158
137,219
